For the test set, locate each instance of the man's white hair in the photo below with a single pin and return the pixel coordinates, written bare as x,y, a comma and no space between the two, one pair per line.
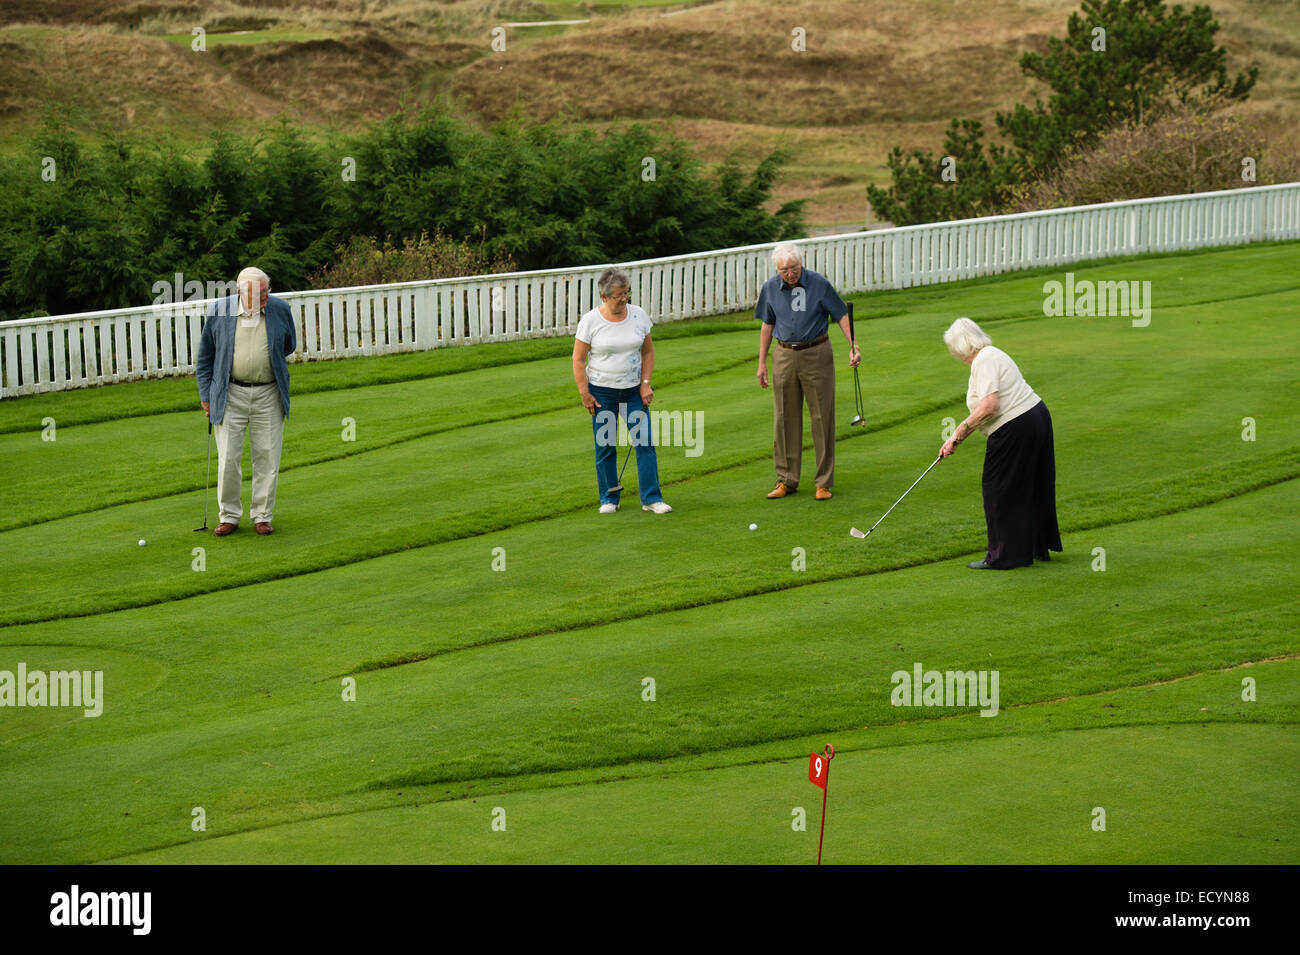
964,338
786,252
252,274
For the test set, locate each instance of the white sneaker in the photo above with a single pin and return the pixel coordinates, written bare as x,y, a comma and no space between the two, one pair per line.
659,507
608,508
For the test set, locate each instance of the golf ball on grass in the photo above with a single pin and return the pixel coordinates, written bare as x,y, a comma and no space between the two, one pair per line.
141,542
753,527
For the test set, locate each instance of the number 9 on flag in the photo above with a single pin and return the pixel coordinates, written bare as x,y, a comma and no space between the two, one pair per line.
817,770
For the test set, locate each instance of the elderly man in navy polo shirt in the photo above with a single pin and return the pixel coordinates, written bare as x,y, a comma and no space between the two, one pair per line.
795,306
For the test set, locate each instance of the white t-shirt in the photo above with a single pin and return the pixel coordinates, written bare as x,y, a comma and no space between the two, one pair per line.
615,358
993,370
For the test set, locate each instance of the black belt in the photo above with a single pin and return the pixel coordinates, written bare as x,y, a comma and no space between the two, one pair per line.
250,384
800,346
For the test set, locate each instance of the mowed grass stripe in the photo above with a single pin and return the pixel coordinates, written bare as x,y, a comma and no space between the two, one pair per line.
239,563
1182,701
413,605
774,667
418,493
887,799
1173,795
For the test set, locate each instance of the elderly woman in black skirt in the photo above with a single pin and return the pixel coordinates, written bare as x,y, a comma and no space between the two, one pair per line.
1019,463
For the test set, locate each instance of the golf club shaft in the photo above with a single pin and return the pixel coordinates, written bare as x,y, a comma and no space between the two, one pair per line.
207,481
857,382
907,492
626,458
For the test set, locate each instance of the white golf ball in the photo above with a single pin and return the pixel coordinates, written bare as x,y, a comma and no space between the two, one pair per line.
753,527
141,542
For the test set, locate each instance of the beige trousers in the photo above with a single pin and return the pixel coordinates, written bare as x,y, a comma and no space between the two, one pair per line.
807,374
258,411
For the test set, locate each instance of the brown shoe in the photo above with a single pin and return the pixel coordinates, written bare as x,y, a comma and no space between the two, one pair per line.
264,528
781,490
221,530
823,494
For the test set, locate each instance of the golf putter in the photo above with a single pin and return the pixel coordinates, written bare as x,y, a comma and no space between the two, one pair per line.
627,457
207,482
857,382
853,531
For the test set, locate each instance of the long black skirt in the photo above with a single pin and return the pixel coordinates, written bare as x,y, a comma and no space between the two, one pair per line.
1020,490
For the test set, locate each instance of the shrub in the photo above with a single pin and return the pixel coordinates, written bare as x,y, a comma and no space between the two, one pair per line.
362,261
1183,152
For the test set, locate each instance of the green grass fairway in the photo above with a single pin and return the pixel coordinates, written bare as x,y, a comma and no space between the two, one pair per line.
516,694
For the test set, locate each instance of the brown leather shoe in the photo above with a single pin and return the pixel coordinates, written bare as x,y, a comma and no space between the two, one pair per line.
264,528
221,530
823,494
781,490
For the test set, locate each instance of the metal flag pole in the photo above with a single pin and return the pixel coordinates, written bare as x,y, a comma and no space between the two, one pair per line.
819,774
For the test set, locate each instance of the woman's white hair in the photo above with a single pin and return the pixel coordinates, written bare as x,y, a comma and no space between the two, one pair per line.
786,252
964,338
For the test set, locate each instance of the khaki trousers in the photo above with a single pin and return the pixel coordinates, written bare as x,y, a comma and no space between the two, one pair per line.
258,411
798,375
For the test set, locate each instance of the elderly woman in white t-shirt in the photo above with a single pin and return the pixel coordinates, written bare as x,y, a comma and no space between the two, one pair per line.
613,357
1019,479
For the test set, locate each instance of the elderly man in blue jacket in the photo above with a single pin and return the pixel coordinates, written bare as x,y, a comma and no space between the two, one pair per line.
243,383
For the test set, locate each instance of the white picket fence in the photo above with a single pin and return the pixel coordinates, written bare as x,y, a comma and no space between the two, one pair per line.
154,341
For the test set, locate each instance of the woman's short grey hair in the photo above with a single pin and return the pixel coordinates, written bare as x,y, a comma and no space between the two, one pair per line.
786,252
964,338
611,279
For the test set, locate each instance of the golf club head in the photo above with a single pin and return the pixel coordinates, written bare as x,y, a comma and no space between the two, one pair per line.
203,528
626,458
857,420
854,532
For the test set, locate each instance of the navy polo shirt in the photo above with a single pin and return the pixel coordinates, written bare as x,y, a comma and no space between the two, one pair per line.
799,312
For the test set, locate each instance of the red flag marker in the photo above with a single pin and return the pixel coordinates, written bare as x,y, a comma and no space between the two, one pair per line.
819,772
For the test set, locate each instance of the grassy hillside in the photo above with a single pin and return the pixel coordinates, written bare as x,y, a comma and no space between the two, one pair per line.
722,74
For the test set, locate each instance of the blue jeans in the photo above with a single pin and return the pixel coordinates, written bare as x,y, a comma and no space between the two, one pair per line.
625,403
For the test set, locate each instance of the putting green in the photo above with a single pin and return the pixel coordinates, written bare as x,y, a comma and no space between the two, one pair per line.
449,567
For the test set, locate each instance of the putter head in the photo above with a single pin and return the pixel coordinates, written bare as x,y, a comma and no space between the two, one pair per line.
616,487
857,420
203,528
854,532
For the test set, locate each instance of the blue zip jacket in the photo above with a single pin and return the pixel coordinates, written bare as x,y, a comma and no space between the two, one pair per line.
217,351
